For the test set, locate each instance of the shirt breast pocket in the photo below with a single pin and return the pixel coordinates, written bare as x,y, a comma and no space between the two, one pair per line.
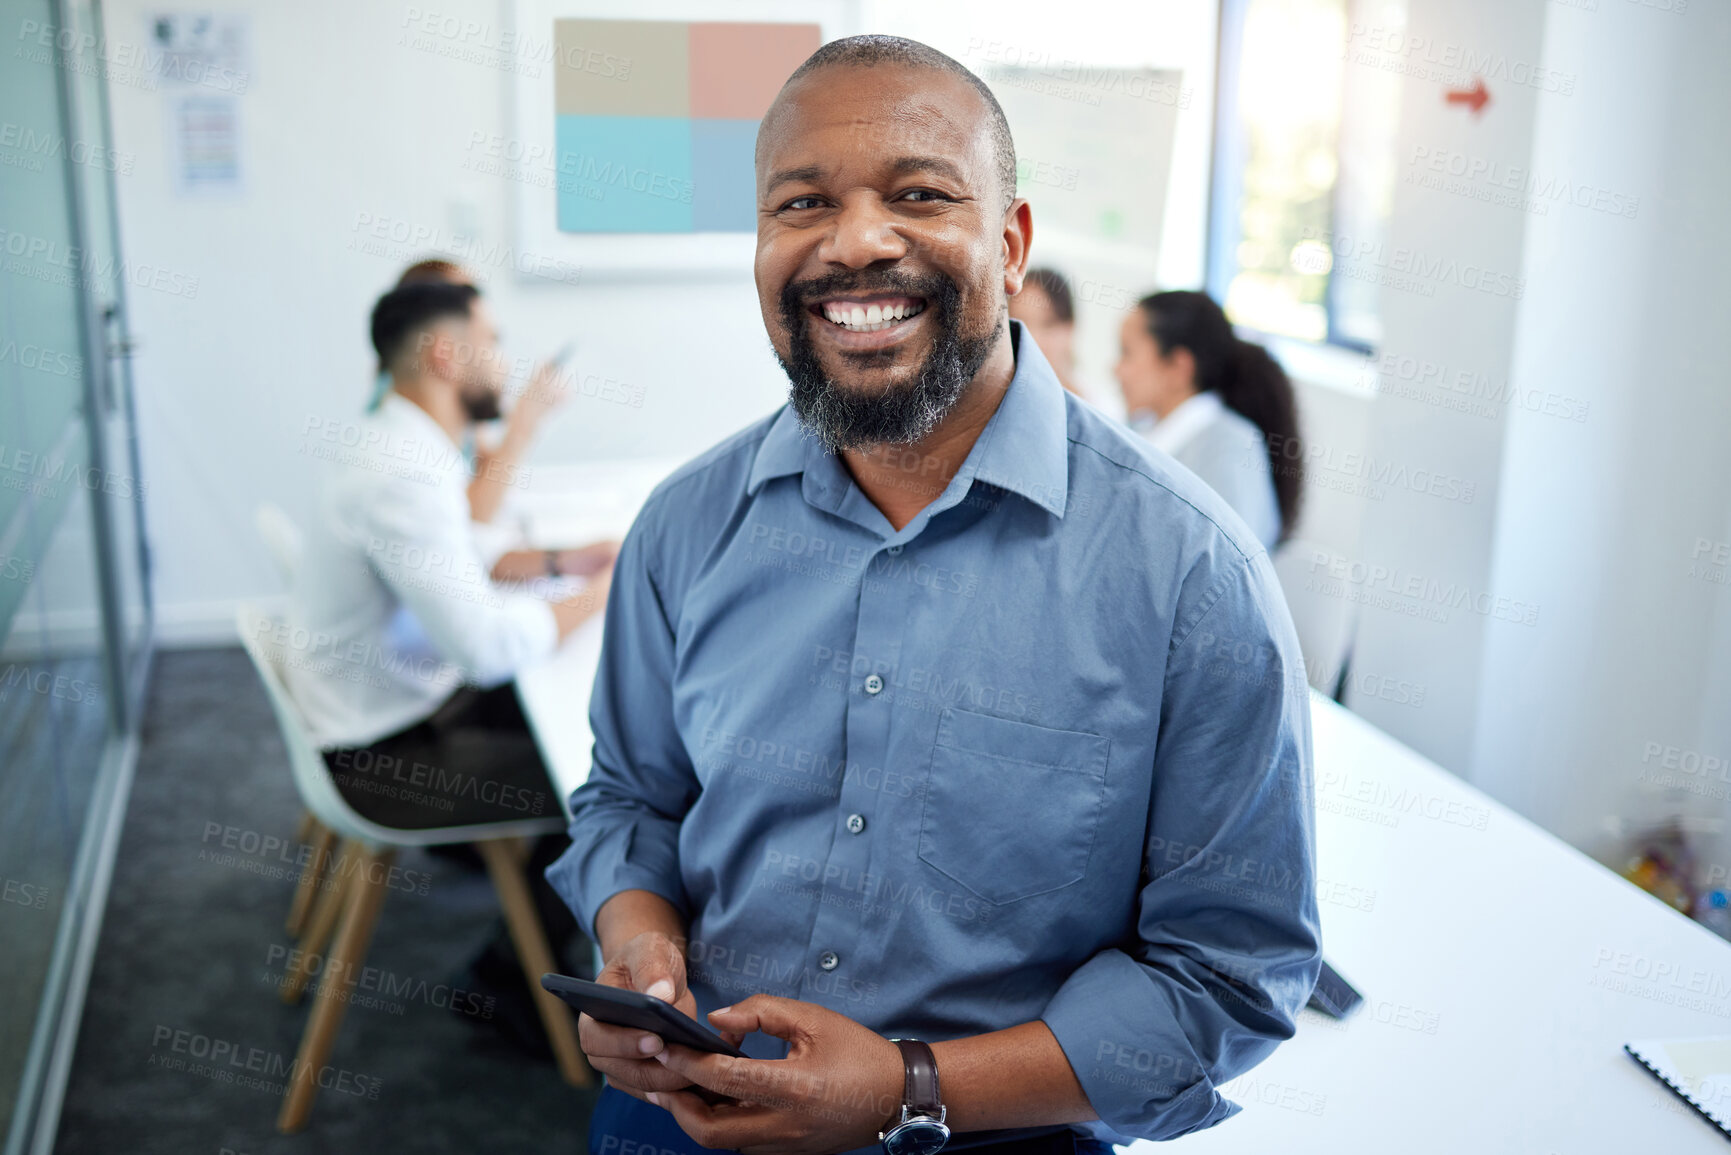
1011,808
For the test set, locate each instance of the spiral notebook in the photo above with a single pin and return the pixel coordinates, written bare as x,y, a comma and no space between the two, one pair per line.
1697,1070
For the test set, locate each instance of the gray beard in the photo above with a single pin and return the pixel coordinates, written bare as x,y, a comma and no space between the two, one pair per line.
844,418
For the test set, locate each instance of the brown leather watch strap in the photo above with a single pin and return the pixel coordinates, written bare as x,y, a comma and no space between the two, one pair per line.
920,1093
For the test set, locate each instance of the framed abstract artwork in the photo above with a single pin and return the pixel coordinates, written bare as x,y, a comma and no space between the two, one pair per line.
635,137
656,120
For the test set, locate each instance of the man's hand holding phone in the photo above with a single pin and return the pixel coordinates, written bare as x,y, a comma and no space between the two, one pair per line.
651,961
652,964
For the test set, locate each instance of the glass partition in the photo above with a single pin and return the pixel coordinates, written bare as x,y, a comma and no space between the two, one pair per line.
75,621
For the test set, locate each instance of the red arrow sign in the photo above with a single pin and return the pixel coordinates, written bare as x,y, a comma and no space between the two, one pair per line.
1476,96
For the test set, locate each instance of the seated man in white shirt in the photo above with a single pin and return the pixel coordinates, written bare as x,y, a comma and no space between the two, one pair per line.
403,643
410,641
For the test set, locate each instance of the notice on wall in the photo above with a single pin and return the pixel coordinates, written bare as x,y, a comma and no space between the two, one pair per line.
206,50
202,62
205,142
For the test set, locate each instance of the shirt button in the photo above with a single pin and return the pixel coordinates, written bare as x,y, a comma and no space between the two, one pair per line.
855,823
894,551
828,960
874,684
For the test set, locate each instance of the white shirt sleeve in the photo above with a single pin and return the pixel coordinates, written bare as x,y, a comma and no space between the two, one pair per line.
494,540
418,538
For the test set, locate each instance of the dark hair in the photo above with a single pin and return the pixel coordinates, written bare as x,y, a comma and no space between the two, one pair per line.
871,50
1249,381
405,312
1056,286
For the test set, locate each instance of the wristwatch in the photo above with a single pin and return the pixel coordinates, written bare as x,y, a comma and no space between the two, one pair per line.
919,1129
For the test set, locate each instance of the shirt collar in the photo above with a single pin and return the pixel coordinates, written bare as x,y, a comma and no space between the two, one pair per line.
396,409
1024,448
1179,427
782,451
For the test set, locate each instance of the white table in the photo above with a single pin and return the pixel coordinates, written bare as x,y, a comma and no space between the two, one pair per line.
555,698
1502,970
570,505
1490,960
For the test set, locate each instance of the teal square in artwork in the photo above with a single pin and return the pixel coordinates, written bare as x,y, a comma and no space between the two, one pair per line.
624,174
722,168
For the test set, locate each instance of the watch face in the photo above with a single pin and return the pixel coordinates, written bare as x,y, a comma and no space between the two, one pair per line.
917,1137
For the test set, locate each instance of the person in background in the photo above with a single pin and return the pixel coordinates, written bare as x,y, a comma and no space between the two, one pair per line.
409,643
435,270
493,468
1220,405
1048,309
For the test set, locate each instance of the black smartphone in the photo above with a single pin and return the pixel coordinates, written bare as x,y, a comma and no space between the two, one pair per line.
621,1008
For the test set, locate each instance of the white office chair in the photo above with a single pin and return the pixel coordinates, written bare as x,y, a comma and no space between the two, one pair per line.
1323,609
287,545
282,537
359,892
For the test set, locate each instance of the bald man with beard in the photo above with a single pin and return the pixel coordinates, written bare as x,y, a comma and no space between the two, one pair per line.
952,746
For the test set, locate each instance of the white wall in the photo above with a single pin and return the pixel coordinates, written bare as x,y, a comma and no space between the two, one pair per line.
1591,644
1600,519
344,127
347,130
1439,535
1335,415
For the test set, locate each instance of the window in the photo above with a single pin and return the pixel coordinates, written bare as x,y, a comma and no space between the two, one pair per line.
1303,156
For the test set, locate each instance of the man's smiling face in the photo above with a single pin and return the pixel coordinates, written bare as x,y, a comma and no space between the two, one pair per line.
881,260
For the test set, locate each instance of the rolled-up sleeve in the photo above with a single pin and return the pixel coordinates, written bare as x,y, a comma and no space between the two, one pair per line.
1227,945
625,818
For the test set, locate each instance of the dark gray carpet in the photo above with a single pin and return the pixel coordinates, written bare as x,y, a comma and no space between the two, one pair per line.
182,1017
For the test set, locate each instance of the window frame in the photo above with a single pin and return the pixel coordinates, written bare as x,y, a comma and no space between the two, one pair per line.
1226,184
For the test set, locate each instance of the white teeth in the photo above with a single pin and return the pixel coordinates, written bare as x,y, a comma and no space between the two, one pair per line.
871,318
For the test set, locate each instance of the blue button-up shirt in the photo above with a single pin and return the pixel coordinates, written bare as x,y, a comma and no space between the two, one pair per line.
1043,753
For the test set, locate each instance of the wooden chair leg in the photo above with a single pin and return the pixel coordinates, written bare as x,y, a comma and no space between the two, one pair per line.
323,838
308,825
530,939
366,895
323,920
